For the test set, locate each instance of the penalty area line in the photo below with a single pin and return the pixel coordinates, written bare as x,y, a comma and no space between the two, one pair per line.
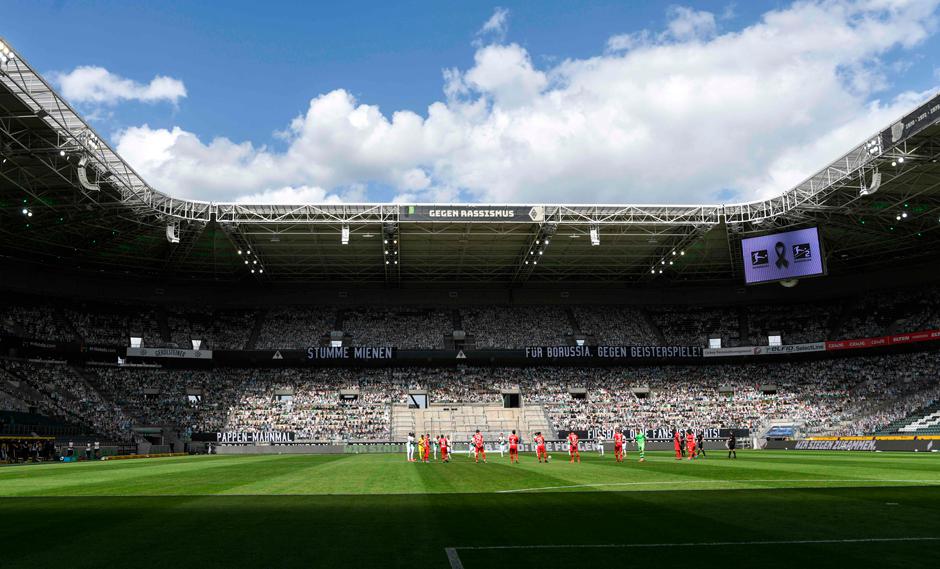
454,558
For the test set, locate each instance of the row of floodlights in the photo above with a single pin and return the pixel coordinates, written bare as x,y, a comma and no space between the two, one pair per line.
5,53
253,262
666,261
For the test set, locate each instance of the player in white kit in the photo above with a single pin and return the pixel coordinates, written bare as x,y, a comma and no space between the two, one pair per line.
502,445
411,447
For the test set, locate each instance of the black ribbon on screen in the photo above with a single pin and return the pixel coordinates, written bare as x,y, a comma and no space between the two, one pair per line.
781,250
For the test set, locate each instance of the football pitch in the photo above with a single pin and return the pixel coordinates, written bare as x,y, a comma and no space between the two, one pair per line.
766,509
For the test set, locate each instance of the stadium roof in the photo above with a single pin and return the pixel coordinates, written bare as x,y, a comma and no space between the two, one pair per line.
68,200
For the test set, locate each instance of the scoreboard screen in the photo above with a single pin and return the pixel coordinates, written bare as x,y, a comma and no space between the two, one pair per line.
780,256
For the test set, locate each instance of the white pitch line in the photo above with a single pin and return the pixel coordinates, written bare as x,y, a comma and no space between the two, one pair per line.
453,558
695,544
665,482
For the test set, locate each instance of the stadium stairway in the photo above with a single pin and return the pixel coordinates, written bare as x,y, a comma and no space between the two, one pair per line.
403,422
573,321
164,326
651,323
65,323
130,410
256,329
924,422
460,420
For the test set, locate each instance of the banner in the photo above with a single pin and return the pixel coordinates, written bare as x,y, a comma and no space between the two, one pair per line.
661,433
836,445
922,117
253,437
485,213
909,338
864,444
176,353
792,349
764,350
613,352
350,353
736,351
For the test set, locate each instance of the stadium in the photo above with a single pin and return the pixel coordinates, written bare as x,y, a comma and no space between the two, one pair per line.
200,383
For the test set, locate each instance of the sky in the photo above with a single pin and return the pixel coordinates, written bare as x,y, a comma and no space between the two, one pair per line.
459,101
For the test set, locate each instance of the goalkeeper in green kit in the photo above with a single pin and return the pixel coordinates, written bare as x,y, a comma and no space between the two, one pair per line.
641,444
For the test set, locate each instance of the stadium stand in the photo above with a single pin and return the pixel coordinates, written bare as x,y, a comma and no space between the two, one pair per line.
490,327
845,396
295,327
409,328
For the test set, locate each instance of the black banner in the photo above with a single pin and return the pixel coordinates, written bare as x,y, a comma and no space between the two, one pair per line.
351,353
920,118
247,437
875,444
489,213
614,352
660,433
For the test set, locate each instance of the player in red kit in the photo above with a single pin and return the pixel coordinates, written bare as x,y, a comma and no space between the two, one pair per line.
573,447
677,444
618,446
690,444
442,442
540,447
478,447
513,447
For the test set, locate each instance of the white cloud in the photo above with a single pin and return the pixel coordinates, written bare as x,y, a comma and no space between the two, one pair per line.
497,25
506,73
686,23
90,84
683,24
292,196
676,115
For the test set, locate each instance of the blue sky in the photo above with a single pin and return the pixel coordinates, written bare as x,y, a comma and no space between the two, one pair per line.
548,103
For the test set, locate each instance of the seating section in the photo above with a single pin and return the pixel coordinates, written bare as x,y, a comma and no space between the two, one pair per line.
406,328
516,326
924,422
616,325
682,326
838,396
295,327
487,327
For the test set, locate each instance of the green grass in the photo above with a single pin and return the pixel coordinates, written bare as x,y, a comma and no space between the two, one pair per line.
379,511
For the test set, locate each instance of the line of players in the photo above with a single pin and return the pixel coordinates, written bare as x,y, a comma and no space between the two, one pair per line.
477,445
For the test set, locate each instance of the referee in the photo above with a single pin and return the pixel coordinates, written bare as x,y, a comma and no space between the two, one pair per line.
732,445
